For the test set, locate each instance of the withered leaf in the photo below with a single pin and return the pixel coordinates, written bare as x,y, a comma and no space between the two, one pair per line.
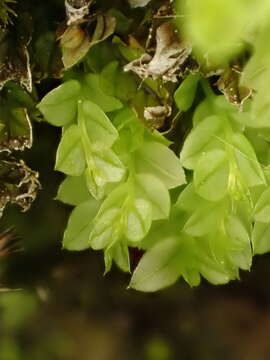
47,57
18,184
229,85
14,57
77,39
15,124
156,115
169,59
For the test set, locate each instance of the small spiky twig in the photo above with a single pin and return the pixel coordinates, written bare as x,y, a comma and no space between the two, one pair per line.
9,242
6,12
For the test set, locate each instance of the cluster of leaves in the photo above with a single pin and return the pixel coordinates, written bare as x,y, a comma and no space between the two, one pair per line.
113,158
131,79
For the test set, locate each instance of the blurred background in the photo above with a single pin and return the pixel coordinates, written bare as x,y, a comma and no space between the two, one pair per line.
65,309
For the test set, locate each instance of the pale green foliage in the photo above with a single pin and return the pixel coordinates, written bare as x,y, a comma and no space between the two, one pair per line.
120,174
119,162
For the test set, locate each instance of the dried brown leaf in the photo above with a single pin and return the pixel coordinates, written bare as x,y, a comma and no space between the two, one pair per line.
169,59
18,184
229,85
76,40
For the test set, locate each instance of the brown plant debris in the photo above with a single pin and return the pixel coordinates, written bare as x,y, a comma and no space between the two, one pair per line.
156,115
14,57
76,10
77,39
18,184
228,84
170,58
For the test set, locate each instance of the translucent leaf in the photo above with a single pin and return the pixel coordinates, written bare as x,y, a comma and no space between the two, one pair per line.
158,160
205,218
261,238
121,256
185,93
70,157
73,190
80,224
92,90
188,199
59,106
98,126
262,208
203,110
240,252
159,267
201,138
138,220
121,215
211,175
103,167
153,190
97,135
105,229
113,80
130,129
247,161
214,274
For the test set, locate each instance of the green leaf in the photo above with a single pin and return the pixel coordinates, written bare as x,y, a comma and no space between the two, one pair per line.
59,106
73,190
188,199
240,251
185,93
201,138
205,218
80,225
262,208
261,238
130,129
214,27
16,107
248,164
97,136
157,159
153,190
121,256
159,267
92,90
70,156
113,80
121,215
203,110
138,220
99,128
211,175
